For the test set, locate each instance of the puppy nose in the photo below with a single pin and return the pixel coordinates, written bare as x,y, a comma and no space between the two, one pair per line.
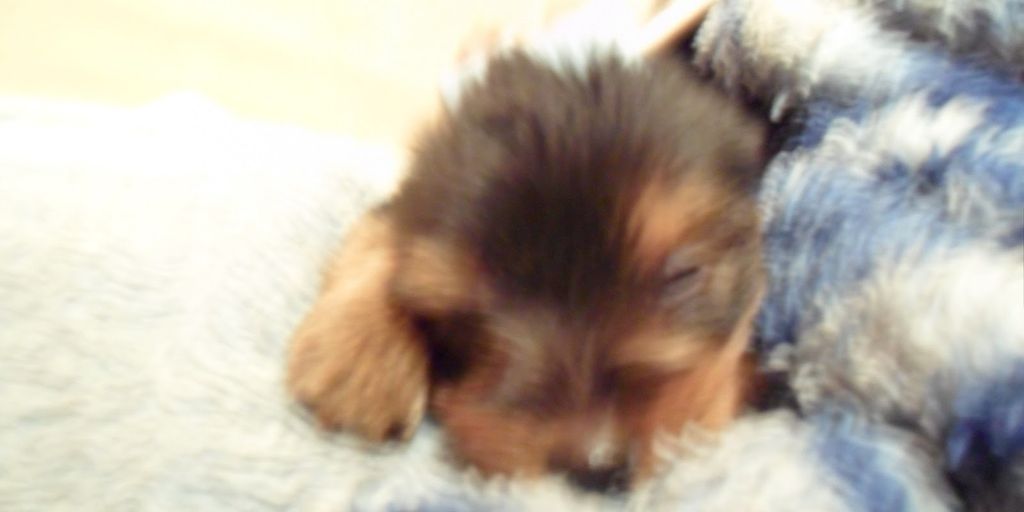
600,479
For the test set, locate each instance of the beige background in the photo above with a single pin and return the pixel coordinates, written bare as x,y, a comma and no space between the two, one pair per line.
367,68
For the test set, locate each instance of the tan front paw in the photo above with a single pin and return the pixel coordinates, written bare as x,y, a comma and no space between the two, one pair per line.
357,361
367,374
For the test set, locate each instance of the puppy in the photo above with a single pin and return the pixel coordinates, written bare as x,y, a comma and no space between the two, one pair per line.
569,270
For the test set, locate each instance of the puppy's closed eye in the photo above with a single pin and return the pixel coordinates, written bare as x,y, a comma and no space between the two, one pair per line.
682,275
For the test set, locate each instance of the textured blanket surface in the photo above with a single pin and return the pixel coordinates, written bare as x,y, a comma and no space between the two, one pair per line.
894,234
154,262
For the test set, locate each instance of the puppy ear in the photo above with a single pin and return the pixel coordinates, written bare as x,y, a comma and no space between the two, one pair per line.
357,360
436,278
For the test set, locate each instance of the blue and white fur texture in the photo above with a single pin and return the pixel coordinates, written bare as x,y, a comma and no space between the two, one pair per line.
894,238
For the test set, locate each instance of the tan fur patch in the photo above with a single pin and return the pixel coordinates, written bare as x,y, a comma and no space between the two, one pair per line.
502,440
435,277
666,214
494,440
710,395
659,350
356,360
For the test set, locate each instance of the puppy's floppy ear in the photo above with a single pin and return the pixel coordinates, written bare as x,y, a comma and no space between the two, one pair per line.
436,278
357,359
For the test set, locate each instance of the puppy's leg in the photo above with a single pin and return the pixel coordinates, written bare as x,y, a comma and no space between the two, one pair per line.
356,360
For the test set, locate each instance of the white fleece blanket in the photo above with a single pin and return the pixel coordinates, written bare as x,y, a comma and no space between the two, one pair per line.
152,265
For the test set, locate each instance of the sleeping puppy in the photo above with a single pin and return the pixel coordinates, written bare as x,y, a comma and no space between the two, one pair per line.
569,271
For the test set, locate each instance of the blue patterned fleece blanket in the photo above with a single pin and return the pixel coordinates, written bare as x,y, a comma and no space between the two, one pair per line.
894,236
894,222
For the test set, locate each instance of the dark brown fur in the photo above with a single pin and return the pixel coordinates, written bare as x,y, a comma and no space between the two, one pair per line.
574,256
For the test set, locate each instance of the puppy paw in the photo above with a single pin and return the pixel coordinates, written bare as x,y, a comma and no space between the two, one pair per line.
357,361
362,375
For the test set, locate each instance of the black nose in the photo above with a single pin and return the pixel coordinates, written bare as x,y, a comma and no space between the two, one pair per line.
602,479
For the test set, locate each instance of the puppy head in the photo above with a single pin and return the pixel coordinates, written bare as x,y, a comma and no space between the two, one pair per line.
581,250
